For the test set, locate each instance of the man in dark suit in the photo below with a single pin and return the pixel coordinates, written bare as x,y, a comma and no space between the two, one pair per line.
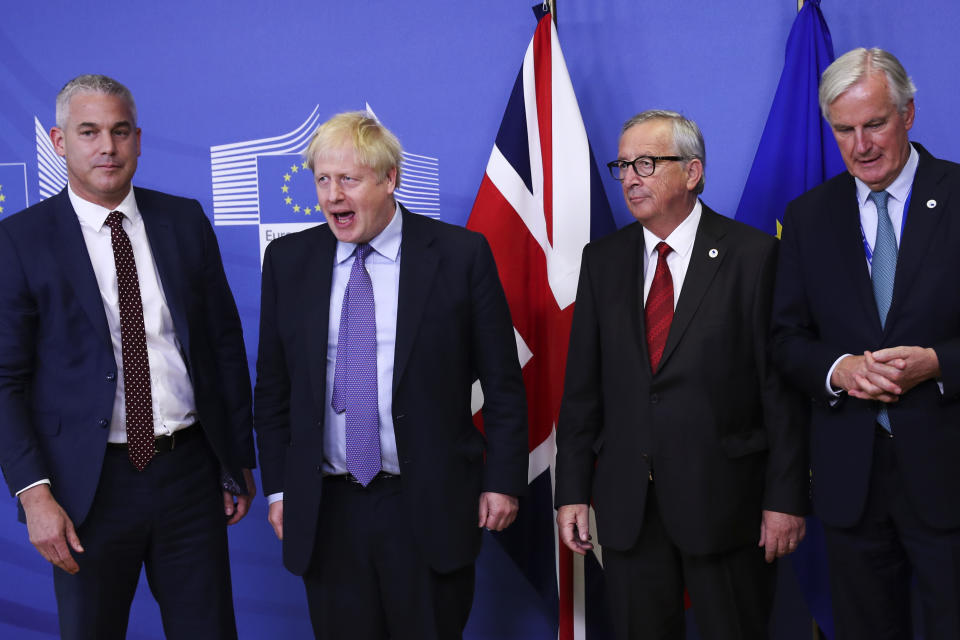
124,390
373,329
673,422
867,323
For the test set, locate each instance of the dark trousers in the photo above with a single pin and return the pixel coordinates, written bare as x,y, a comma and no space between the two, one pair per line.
732,593
167,518
367,580
872,564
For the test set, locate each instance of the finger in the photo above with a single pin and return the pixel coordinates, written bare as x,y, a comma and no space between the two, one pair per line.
63,559
484,512
242,506
72,538
228,507
275,518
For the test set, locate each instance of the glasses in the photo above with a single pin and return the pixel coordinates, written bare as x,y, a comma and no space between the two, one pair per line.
643,166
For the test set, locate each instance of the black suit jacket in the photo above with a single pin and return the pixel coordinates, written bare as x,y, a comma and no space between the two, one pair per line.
57,368
723,437
824,308
453,326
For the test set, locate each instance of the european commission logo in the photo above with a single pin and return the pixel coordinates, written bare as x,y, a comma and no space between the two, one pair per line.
266,182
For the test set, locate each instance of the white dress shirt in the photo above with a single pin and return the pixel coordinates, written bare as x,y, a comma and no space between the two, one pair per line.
173,403
681,241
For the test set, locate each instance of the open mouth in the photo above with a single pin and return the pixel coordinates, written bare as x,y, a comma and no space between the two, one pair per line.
343,218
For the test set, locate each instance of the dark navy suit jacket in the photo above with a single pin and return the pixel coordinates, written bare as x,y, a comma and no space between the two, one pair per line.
57,368
824,307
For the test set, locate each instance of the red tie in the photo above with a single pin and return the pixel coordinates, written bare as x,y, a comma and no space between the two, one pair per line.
658,311
137,395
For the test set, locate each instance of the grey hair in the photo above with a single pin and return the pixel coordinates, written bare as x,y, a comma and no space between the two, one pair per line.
854,66
687,137
92,83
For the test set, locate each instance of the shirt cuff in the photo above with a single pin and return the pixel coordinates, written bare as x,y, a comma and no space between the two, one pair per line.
275,497
834,392
31,486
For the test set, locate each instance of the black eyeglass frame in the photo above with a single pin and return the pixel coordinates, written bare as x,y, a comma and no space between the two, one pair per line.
617,167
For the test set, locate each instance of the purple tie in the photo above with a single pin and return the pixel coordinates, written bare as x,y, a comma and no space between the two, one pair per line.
137,394
355,379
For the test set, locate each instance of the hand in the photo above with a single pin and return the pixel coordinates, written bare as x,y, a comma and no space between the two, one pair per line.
275,518
574,524
910,365
866,379
50,528
780,533
236,507
497,510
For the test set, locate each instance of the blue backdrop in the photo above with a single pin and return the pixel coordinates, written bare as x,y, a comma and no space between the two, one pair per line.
212,77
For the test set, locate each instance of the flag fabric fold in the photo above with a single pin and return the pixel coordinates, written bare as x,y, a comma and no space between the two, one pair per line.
540,201
796,153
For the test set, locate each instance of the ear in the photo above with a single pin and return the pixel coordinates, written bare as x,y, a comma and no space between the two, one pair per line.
694,170
138,142
908,115
391,179
56,137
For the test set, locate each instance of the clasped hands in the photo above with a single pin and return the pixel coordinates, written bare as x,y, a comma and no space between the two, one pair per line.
887,374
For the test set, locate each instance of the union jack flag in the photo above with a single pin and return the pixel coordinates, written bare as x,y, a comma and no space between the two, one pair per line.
539,203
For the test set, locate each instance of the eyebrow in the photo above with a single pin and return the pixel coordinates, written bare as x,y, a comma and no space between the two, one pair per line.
120,123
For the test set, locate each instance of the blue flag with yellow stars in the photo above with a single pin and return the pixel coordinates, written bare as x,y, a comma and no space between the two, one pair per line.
797,150
13,188
286,189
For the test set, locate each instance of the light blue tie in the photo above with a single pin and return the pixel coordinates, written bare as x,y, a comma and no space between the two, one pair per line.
883,270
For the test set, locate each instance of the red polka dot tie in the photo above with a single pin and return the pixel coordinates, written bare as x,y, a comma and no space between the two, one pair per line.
137,396
658,311
355,378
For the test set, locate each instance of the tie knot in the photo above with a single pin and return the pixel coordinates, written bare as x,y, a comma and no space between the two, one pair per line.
114,220
663,249
879,198
363,250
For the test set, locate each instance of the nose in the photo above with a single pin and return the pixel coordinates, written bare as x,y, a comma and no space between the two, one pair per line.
862,141
334,192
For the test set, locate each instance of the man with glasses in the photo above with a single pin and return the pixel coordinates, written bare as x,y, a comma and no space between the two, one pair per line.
673,423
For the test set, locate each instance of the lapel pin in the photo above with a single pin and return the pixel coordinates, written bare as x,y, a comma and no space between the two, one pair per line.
713,253
931,204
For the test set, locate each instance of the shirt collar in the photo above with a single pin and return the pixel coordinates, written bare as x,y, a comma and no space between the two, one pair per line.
93,215
386,243
680,239
899,189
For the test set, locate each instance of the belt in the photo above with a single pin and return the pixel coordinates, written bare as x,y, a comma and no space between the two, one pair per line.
166,444
348,477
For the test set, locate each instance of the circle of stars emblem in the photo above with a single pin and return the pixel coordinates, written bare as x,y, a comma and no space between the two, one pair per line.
285,190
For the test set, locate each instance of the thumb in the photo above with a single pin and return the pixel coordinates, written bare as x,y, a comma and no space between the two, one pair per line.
72,538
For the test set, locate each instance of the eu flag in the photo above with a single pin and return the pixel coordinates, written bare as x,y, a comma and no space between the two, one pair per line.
286,190
13,188
797,151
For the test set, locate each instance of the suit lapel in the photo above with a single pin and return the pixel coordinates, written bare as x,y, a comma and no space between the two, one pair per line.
921,225
708,253
419,262
637,247
845,240
76,266
316,313
166,255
